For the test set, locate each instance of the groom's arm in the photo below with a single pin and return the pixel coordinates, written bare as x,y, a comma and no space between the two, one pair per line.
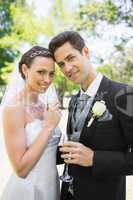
103,163
116,163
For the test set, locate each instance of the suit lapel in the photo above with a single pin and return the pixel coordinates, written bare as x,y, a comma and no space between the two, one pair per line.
88,132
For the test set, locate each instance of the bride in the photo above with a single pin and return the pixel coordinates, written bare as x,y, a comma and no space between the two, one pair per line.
30,130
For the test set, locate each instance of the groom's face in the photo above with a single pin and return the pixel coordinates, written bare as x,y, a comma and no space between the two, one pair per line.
73,63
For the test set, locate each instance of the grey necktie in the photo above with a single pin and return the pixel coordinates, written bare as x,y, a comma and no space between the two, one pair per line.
81,102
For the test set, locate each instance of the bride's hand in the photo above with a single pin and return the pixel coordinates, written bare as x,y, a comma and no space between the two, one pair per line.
53,115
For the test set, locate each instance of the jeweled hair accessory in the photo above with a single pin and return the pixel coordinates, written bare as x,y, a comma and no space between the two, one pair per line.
40,52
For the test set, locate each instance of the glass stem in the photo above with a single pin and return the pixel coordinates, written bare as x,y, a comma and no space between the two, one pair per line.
66,170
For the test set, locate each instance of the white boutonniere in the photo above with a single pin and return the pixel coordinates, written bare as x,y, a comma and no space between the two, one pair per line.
98,110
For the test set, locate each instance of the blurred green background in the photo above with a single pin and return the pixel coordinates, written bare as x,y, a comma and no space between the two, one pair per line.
107,27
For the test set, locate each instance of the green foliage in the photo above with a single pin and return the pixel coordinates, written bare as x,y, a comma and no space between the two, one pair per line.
26,24
108,70
6,22
62,17
121,68
4,78
123,65
92,12
63,84
19,25
5,18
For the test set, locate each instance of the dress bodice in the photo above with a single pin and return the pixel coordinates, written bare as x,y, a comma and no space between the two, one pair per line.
48,158
33,129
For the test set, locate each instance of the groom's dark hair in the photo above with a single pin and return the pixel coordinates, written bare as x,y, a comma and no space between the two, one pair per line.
72,37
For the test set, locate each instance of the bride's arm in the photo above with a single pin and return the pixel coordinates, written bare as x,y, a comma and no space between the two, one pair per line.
24,158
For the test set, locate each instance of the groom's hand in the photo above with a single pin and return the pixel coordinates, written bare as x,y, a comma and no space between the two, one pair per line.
77,153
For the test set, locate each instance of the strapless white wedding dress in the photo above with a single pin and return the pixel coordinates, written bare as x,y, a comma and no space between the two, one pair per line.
42,183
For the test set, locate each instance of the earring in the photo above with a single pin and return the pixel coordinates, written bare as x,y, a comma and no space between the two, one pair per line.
26,76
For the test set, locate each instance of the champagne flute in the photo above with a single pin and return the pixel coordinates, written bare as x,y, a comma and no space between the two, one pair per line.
51,98
65,177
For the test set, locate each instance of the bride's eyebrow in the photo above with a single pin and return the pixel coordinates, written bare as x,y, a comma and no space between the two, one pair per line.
46,71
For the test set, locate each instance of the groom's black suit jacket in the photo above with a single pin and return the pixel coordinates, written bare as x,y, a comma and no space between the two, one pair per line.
112,142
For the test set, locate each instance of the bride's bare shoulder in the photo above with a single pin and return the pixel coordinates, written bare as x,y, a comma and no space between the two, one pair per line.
13,111
14,105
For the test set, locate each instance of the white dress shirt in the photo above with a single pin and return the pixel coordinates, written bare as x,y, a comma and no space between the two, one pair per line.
93,87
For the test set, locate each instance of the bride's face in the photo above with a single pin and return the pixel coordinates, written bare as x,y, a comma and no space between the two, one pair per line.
40,74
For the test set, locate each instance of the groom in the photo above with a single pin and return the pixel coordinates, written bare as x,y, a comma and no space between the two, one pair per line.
101,159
